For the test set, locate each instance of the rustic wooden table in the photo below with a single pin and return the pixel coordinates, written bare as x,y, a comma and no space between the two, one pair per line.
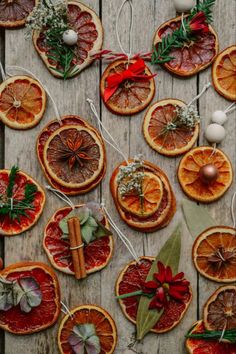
18,147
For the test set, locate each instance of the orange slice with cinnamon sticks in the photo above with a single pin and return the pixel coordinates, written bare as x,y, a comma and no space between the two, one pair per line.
168,142
224,73
192,179
102,321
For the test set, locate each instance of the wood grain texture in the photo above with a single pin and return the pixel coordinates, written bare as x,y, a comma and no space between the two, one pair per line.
70,97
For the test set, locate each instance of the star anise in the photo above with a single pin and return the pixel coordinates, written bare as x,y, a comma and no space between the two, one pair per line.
75,151
222,256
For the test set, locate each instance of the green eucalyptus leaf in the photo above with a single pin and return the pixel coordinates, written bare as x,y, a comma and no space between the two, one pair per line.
87,234
102,231
96,211
92,222
83,214
169,255
63,223
197,217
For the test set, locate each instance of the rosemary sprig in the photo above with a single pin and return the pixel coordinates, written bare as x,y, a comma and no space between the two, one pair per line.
229,335
182,35
12,177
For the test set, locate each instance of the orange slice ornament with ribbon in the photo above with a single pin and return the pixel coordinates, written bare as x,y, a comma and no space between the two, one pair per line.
126,87
87,319
15,12
22,102
205,174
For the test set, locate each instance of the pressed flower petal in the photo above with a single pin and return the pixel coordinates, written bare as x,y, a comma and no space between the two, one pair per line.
168,274
150,285
178,276
176,295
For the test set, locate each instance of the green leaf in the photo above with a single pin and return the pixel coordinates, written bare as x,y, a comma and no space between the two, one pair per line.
197,217
12,177
102,231
87,233
169,255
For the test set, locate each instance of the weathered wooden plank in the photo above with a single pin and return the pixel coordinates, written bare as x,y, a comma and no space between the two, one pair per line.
70,97
208,104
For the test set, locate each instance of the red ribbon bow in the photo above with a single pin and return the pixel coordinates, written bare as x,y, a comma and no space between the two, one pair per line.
133,72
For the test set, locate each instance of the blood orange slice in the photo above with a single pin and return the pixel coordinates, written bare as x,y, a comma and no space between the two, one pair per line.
12,227
40,317
88,314
149,202
190,177
163,197
88,27
157,121
97,254
224,73
214,254
131,280
92,143
132,96
192,57
22,102
220,310
13,13
203,346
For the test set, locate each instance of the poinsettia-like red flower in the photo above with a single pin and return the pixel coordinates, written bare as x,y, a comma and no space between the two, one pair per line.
165,286
198,23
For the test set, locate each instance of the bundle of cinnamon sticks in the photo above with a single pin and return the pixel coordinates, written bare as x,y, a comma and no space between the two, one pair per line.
76,246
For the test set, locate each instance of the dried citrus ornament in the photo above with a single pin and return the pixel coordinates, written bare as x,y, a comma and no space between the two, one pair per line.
14,13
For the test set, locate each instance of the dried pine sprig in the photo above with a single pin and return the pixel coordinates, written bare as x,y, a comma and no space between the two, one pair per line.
12,177
229,335
206,7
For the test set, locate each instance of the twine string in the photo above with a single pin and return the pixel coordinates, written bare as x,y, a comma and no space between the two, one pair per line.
77,247
61,196
231,108
101,127
182,22
2,71
232,210
205,88
14,67
65,309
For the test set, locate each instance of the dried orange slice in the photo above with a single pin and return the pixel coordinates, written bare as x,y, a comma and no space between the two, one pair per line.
146,204
220,310
74,156
131,279
97,254
190,177
224,73
167,142
163,197
13,13
203,346
192,57
132,96
214,254
85,22
88,314
22,102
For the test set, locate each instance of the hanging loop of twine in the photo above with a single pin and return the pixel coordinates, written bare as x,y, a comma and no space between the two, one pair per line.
61,196
3,74
102,127
65,309
14,67
123,238
205,88
233,211
182,22
231,108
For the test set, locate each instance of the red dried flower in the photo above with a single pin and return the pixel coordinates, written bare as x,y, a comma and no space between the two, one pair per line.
198,23
166,286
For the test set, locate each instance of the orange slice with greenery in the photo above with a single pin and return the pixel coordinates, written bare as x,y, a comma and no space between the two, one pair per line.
144,200
214,254
22,102
86,317
224,73
191,176
164,131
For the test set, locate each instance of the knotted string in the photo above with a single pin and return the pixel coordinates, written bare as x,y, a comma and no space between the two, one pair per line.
61,196
14,67
231,108
232,210
65,309
123,238
205,88
102,127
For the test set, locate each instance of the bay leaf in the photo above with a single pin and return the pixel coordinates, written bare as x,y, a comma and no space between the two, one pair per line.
197,217
168,255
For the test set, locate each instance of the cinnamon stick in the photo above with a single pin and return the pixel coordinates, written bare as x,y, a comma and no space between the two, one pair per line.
76,243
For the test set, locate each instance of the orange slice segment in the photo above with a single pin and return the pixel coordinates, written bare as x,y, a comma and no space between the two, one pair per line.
13,13
167,142
22,102
74,156
224,73
132,96
220,310
104,325
214,254
146,204
190,179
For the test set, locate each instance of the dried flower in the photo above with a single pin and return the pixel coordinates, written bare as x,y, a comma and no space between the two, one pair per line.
130,178
187,116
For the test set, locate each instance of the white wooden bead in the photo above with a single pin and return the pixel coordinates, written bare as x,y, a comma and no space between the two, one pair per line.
70,37
215,133
184,5
219,117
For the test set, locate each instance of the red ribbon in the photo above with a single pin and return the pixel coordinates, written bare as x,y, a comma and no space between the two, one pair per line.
133,72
